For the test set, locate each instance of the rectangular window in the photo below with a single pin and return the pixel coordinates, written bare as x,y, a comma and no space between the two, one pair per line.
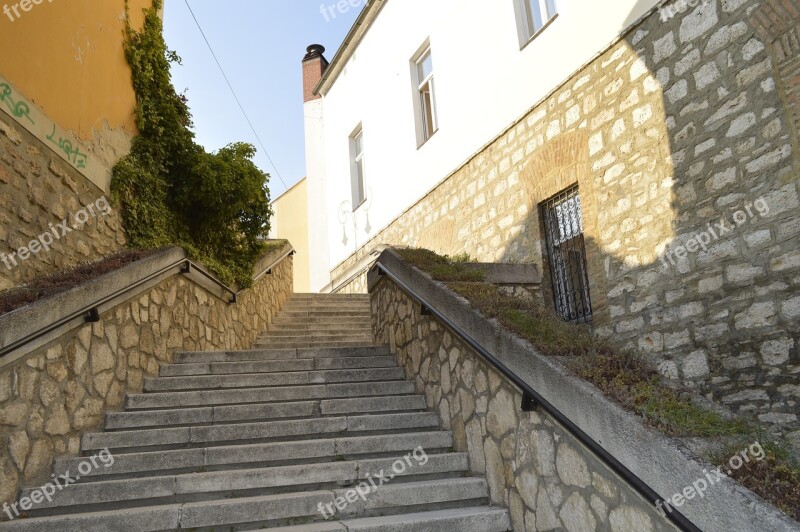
566,253
357,164
428,123
534,16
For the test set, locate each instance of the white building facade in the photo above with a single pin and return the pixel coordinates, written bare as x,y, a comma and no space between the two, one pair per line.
487,63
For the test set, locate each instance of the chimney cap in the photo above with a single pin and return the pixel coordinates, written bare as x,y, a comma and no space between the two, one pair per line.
314,51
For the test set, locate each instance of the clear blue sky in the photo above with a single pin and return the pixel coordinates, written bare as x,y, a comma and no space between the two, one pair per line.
260,44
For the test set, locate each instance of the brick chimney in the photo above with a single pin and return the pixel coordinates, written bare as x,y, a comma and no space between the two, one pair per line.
314,65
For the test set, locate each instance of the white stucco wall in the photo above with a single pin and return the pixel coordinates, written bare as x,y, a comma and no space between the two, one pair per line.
484,82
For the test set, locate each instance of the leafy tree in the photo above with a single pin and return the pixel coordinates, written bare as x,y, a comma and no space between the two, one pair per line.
173,192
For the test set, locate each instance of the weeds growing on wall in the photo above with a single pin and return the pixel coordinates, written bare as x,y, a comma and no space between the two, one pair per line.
621,375
171,191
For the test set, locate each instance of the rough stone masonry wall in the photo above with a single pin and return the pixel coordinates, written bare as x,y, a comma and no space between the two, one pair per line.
676,126
546,478
63,389
38,188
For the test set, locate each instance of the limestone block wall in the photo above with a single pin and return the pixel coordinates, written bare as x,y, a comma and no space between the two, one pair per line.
64,388
38,191
356,285
679,127
533,466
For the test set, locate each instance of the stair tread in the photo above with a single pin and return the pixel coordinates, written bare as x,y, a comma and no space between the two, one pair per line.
262,411
253,509
243,454
230,481
257,431
267,379
270,366
277,393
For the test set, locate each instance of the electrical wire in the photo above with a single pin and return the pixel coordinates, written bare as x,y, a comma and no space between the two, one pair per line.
235,97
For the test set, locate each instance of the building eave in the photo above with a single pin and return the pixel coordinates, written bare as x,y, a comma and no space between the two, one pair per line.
360,28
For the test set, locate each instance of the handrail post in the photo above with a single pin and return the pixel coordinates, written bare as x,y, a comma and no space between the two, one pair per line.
529,404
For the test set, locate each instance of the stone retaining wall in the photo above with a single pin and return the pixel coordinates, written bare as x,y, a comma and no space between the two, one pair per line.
52,395
38,190
533,466
677,126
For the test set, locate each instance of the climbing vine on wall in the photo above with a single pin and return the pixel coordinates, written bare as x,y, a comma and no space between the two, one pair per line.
171,191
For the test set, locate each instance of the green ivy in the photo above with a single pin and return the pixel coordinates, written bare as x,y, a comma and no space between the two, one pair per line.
171,191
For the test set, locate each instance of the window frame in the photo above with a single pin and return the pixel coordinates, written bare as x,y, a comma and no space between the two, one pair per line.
358,173
425,106
526,24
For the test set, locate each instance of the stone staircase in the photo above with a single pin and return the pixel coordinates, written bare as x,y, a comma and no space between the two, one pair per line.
304,434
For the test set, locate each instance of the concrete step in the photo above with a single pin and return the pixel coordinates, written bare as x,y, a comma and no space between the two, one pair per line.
301,323
261,431
260,395
323,341
337,297
174,516
325,313
477,519
262,411
187,487
275,453
268,366
342,310
299,304
365,330
259,355
281,320
305,344
261,509
253,380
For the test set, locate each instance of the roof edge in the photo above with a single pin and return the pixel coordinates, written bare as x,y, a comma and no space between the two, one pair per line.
360,27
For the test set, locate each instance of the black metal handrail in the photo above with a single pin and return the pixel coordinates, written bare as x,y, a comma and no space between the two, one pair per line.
268,269
91,313
531,400
189,267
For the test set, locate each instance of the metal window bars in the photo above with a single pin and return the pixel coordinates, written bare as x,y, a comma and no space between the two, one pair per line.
566,252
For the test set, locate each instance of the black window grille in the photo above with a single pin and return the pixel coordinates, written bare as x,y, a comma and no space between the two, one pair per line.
566,251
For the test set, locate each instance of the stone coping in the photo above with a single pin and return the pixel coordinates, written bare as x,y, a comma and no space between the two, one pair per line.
664,463
29,319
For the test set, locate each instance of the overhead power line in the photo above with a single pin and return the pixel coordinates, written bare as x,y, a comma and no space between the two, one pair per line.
235,97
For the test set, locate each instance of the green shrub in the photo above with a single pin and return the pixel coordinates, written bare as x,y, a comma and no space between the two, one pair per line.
171,191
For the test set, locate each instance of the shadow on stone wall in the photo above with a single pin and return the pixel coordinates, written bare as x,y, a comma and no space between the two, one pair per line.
687,169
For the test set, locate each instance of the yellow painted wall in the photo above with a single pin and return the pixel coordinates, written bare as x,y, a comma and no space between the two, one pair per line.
291,222
67,57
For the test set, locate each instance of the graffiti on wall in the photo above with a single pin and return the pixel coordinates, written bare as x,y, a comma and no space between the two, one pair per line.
18,108
74,154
